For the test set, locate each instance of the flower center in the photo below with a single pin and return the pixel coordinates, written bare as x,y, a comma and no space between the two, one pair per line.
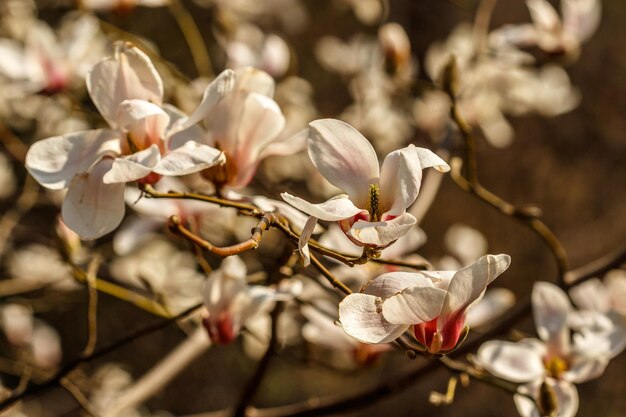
373,203
556,366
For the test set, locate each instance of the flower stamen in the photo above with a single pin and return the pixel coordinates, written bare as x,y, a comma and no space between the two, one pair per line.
373,206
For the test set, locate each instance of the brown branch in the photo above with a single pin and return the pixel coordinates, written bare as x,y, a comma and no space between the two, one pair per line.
329,276
596,268
175,225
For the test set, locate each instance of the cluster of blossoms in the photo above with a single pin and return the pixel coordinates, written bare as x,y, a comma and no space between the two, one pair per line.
204,158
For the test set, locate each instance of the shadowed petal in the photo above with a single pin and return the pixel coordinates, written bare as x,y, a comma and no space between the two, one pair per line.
189,158
337,208
361,318
551,308
381,234
344,157
414,305
213,93
133,167
92,208
515,362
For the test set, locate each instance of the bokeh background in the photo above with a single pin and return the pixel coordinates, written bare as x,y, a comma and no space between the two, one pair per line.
572,166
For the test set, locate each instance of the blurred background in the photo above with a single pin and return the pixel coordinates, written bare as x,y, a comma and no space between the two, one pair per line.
571,165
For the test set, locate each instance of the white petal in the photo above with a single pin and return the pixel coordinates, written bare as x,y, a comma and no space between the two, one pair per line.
584,368
544,15
337,208
515,362
253,80
470,282
53,162
591,295
414,305
133,233
128,74
224,284
145,122
344,157
92,208
466,243
213,93
303,241
429,159
551,308
133,167
495,302
400,180
361,318
581,18
392,283
381,234
286,146
189,158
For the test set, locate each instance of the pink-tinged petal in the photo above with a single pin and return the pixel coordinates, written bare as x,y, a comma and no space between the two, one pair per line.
133,167
493,304
401,176
214,92
286,146
336,208
515,362
189,158
252,80
392,283
303,241
344,157
581,18
361,318
414,305
224,284
53,162
382,234
551,308
145,122
469,283
92,208
128,74
566,398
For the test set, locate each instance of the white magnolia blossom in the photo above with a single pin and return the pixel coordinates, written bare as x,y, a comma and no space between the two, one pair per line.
604,314
230,301
144,142
550,32
433,304
373,213
556,359
246,125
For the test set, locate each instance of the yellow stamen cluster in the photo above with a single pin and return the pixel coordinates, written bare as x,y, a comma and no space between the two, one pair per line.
556,366
373,206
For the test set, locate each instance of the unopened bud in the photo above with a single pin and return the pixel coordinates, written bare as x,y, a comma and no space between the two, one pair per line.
396,47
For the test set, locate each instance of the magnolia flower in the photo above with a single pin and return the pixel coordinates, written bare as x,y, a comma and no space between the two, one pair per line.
144,142
245,125
230,301
556,359
548,31
373,214
433,304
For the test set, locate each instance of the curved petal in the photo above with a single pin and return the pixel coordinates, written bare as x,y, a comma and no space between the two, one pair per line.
287,145
544,15
401,177
344,157
361,318
337,208
591,295
145,122
381,234
189,158
253,80
551,308
92,208
133,167
303,240
128,74
392,283
429,159
213,93
53,162
469,283
414,305
515,362
581,18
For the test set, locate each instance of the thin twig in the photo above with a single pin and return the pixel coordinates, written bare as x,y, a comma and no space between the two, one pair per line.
193,37
596,268
329,276
80,398
23,204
